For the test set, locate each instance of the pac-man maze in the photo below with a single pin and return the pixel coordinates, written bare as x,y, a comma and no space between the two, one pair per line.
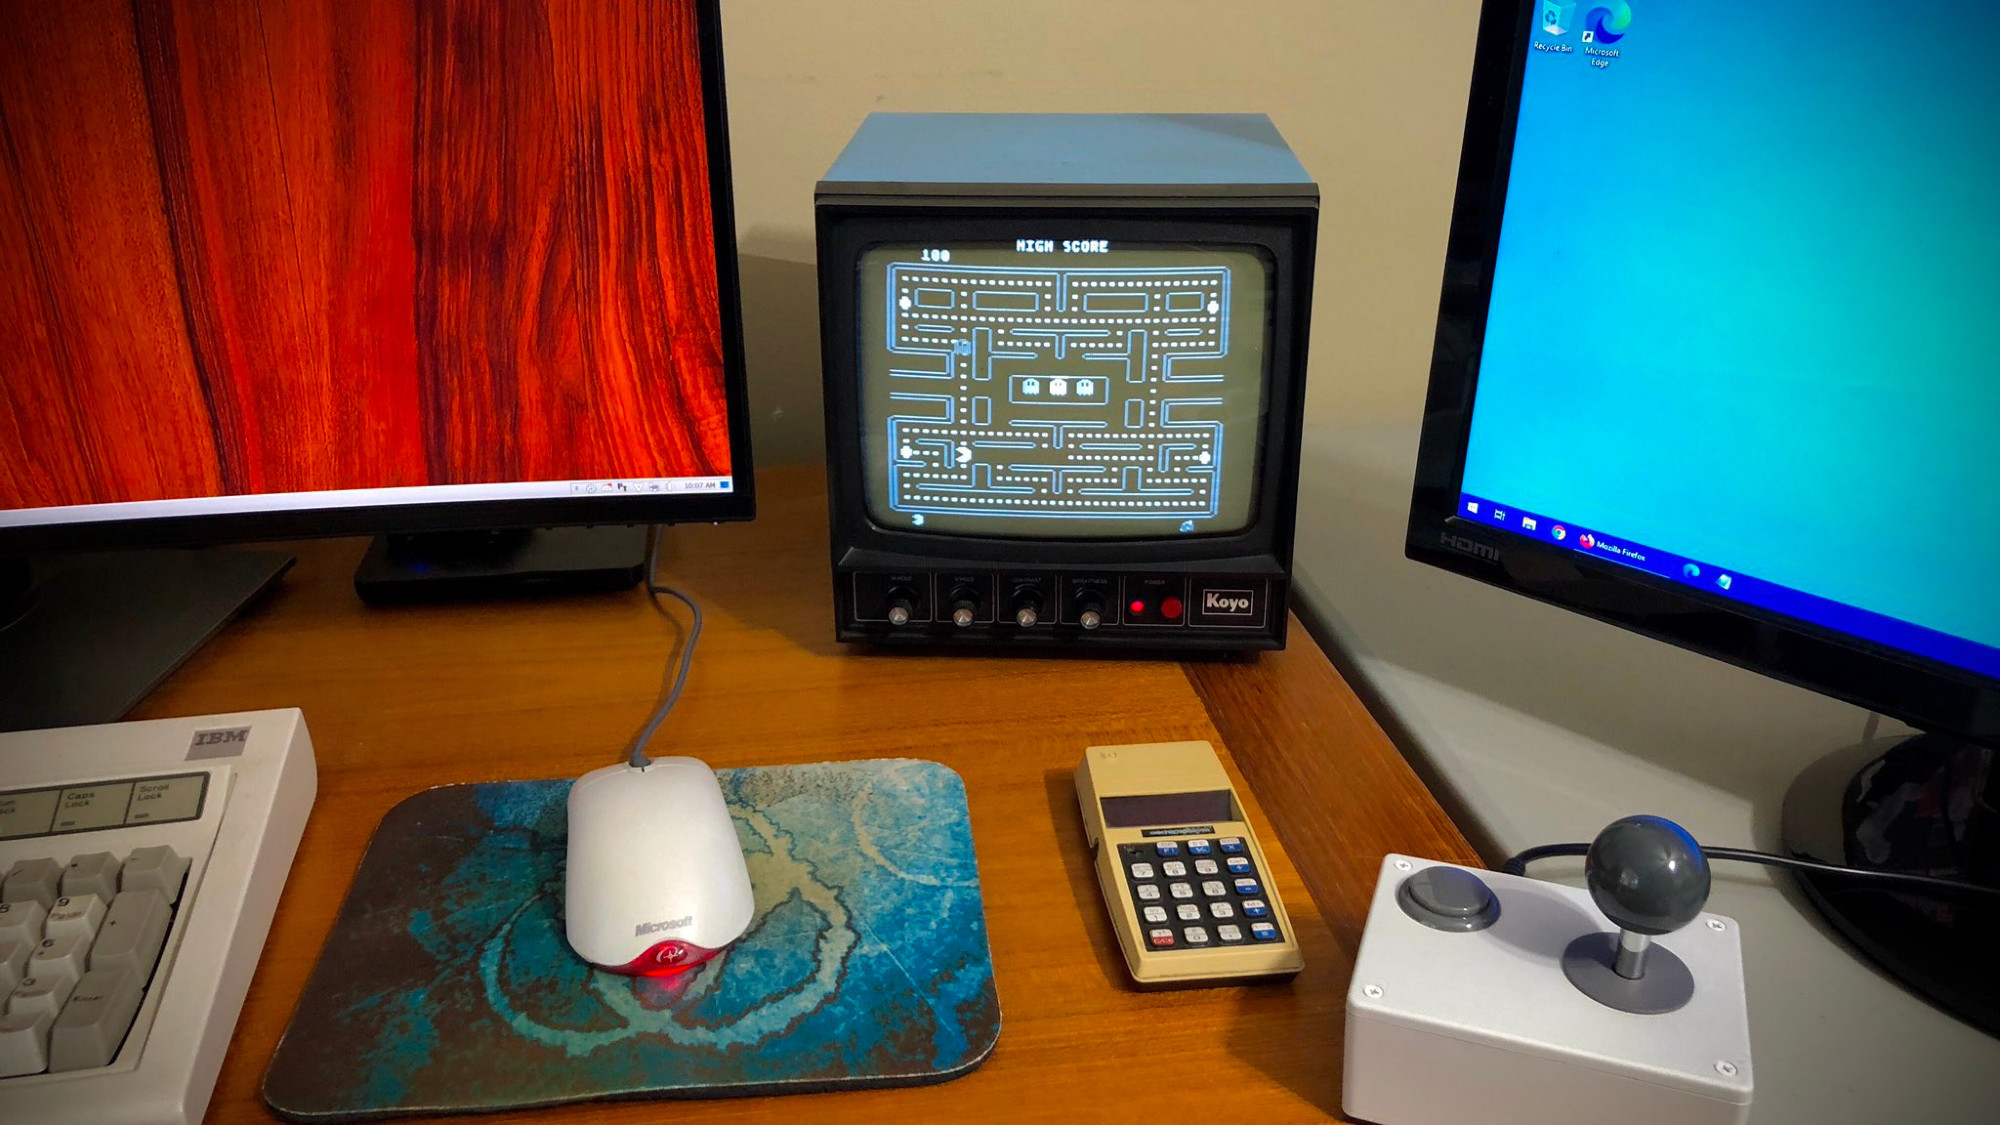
1080,393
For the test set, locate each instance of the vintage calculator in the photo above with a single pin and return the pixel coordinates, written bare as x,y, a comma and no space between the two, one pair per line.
1187,886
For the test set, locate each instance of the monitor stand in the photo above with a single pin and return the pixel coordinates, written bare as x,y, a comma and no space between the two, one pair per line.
450,566
84,637
1931,806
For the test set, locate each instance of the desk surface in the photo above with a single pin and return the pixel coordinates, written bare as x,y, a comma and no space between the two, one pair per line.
400,700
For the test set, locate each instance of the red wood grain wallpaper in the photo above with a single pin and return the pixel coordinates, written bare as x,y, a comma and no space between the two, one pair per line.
286,245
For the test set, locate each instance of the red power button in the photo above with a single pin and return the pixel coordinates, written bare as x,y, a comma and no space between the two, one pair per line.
1170,608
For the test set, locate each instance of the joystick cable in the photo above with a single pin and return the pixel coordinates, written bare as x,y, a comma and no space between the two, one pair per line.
654,588
1860,876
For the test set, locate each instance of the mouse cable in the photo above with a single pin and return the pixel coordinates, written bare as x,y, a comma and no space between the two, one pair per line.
1877,880
654,588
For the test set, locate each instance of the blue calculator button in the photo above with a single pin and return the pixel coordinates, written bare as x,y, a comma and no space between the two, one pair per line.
1168,847
1231,845
1238,865
1198,847
1263,931
1248,887
1256,908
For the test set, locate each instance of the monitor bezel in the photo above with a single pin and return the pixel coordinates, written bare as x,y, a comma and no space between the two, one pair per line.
1926,693
472,515
1284,232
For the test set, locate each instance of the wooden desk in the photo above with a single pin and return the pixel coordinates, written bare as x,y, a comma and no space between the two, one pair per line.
400,700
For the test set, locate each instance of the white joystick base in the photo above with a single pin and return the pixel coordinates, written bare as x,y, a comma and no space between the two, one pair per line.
1448,1027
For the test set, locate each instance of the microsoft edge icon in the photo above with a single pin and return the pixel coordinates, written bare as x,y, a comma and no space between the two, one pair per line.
1606,23
1556,15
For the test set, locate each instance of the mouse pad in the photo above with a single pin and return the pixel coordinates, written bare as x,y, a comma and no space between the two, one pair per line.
446,985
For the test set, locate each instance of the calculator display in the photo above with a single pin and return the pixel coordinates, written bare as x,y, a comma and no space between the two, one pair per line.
1168,808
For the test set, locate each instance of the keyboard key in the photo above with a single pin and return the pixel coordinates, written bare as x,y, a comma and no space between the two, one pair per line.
75,914
1167,847
1231,845
1155,914
24,1043
1263,931
22,921
1248,887
136,926
1142,871
1198,847
1161,938
40,994
14,965
1195,935
1229,933
1221,910
154,869
95,1020
1214,888
1147,892
63,956
1239,865
1205,867
93,874
1174,870
1180,890
1255,908
33,880
1188,912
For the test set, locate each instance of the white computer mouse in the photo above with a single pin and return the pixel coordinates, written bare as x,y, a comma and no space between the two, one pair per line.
655,880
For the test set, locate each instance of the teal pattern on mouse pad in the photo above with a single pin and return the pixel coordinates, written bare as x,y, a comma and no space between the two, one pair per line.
447,985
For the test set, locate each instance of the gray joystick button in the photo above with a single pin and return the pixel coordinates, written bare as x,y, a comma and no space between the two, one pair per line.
1448,898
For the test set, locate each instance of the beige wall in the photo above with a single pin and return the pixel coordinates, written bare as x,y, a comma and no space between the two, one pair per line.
1371,95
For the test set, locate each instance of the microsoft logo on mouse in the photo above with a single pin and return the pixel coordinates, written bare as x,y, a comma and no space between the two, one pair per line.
1607,23
644,928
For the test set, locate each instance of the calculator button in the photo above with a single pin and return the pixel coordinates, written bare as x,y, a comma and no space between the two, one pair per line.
1161,939
1195,935
1142,871
1231,845
1188,912
1174,869
40,994
1238,865
22,922
1168,847
1155,914
1198,847
158,868
1180,890
1214,888
1147,892
1255,908
60,957
1248,887
134,929
1229,933
95,1020
24,1043
1204,867
1221,910
33,880
93,874
1263,931
80,914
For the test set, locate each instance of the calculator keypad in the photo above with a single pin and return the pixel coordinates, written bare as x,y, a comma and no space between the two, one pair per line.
1204,914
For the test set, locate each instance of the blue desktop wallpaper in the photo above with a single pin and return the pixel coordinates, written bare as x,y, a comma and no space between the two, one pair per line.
1747,301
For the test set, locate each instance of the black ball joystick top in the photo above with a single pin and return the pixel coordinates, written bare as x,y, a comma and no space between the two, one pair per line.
1647,875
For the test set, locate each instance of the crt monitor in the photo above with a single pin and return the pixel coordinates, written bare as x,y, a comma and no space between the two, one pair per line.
1716,362
420,269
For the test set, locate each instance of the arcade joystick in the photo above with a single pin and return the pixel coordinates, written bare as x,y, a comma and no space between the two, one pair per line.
1649,877
1482,996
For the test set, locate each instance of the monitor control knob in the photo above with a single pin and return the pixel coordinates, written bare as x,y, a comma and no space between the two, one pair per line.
1089,606
1027,607
964,606
902,607
1090,619
1026,616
